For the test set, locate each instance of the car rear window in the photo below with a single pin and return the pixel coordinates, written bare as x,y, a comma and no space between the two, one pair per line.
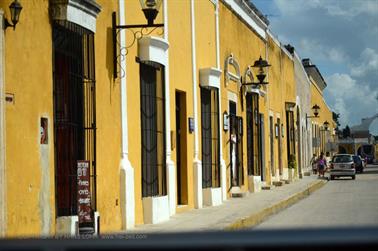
342,159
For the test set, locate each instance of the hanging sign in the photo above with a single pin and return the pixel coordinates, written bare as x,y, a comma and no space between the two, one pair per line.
83,192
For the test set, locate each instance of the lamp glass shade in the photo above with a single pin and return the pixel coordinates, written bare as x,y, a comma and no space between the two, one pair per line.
261,64
150,4
15,9
261,77
326,124
316,109
150,9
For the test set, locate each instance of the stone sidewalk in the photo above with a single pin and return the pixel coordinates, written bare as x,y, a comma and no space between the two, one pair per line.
237,213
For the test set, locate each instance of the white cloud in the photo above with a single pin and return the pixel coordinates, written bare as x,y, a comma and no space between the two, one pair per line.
321,51
336,55
343,91
341,38
368,63
341,108
345,8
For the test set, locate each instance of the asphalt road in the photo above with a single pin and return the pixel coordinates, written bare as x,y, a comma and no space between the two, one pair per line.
340,203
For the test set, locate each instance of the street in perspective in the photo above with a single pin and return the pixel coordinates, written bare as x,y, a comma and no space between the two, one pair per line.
340,203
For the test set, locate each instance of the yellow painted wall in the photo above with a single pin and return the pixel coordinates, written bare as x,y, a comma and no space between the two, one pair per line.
288,78
181,79
180,68
246,46
276,102
108,123
29,165
325,114
281,89
28,75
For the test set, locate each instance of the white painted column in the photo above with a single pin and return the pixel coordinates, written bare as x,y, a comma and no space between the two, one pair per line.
223,163
171,172
3,201
126,170
197,165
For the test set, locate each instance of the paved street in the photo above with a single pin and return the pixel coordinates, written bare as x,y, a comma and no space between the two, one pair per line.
341,202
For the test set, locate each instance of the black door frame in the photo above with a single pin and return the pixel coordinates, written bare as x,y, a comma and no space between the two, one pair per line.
181,148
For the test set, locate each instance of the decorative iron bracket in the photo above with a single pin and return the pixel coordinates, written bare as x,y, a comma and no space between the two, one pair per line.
138,34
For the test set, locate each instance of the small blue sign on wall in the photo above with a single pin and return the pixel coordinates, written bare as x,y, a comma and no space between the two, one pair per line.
191,125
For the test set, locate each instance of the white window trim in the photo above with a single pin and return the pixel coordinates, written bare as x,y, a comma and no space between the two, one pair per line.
210,77
153,49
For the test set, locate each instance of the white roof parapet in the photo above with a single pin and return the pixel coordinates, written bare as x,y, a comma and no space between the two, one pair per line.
279,44
241,8
296,56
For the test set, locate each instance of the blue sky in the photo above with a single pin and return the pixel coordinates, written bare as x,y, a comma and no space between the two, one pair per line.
341,38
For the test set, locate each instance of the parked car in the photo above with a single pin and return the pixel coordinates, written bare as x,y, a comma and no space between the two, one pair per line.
342,165
358,163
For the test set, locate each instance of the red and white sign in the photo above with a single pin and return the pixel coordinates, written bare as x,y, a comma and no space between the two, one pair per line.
83,191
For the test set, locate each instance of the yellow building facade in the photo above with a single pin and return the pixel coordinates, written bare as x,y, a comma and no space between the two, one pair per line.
323,126
107,126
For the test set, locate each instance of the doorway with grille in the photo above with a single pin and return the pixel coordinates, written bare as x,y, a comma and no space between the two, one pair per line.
74,122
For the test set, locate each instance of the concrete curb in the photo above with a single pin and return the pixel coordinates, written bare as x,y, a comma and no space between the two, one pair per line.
258,217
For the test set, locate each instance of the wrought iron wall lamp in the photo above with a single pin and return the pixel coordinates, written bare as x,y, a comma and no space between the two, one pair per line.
15,10
150,9
316,109
260,64
325,125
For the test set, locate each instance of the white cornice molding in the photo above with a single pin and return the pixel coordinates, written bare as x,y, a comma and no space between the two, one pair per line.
210,77
153,49
299,61
80,12
250,18
279,44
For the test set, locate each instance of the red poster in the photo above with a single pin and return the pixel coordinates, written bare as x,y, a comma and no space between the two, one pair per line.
83,191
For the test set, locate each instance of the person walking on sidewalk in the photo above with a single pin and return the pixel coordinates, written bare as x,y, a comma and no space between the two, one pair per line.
313,163
322,164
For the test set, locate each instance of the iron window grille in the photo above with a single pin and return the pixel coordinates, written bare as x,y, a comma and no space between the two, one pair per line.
271,145
153,129
210,138
290,133
253,123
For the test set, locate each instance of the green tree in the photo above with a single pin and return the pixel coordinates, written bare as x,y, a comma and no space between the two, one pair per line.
346,132
335,117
